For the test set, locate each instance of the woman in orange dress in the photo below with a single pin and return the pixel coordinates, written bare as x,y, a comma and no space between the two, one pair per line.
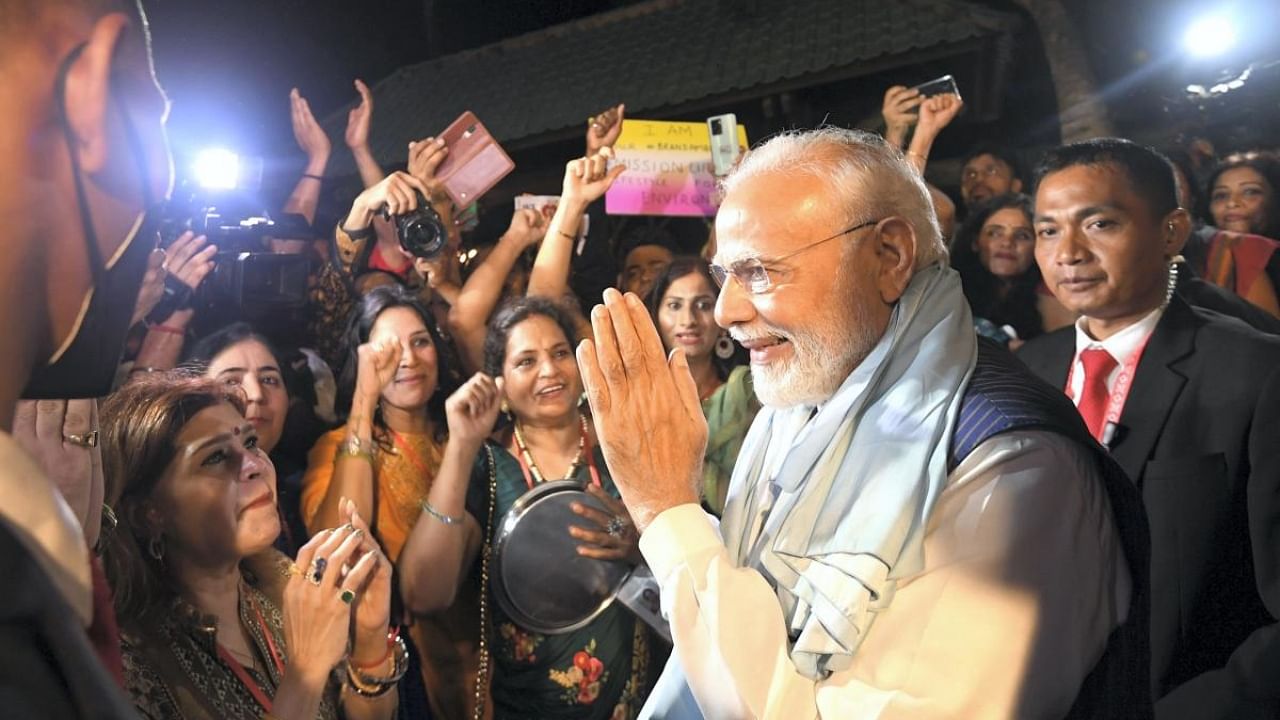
385,459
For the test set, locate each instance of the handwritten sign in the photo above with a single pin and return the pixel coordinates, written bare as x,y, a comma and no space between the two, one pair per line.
668,169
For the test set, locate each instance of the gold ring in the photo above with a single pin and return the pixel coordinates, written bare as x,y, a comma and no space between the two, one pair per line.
89,440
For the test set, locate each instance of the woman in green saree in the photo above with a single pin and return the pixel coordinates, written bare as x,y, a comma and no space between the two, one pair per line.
682,304
603,670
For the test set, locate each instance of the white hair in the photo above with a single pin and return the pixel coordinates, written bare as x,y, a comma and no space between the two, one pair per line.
871,179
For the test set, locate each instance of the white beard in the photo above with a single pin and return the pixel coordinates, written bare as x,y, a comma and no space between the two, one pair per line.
821,359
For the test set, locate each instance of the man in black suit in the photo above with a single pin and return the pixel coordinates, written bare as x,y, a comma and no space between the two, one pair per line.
84,158
1188,402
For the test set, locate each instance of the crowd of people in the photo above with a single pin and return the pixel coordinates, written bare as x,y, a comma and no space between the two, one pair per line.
886,454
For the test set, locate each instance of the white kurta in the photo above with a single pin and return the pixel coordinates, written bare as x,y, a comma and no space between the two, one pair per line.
1024,580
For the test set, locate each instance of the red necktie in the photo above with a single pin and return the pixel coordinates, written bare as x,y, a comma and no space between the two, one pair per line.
1098,364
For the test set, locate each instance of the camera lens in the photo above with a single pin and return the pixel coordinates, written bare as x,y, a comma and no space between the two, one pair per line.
421,232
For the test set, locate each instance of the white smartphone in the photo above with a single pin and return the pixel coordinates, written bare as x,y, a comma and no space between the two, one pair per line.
724,142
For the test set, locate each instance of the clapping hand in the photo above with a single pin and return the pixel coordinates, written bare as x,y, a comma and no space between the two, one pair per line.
360,119
310,137
372,604
317,611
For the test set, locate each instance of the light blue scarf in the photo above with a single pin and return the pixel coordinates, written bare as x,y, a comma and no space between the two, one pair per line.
857,482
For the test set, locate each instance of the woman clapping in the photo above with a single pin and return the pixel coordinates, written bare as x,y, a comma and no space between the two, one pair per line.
215,623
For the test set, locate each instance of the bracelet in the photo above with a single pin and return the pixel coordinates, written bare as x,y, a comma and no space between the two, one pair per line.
446,519
168,329
366,686
571,237
392,636
313,177
353,448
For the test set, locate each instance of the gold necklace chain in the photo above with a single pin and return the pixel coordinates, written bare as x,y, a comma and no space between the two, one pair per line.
533,466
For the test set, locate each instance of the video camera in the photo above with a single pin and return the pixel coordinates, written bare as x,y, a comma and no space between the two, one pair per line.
248,282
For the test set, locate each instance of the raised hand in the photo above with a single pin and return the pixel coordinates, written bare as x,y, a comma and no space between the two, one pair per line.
310,137
614,535
360,119
646,409
472,409
899,103
376,365
603,129
424,157
937,112
586,179
527,228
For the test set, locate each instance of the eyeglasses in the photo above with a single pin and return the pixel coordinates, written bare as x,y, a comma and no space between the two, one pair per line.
753,276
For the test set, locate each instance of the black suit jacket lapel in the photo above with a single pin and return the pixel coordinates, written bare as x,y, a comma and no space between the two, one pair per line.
1156,385
1054,361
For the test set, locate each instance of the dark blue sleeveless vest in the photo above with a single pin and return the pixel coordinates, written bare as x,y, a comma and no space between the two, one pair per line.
1003,396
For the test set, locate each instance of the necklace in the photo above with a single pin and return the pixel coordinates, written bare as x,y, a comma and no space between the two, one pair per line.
236,668
533,475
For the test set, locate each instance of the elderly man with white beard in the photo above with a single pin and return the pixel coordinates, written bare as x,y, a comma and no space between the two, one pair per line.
916,527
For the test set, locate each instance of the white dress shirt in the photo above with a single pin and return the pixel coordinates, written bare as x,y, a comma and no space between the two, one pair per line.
1121,346
1024,580
37,513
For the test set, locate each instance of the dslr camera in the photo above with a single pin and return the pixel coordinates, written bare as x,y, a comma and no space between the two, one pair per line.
422,232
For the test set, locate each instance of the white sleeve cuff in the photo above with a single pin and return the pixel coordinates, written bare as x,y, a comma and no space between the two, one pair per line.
676,535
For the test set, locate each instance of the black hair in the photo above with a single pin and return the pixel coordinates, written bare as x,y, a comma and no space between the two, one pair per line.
642,235
1003,154
363,316
1150,172
514,312
681,266
212,345
1266,165
1017,307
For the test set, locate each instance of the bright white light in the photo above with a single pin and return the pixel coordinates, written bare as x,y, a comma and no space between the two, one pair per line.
217,169
1210,35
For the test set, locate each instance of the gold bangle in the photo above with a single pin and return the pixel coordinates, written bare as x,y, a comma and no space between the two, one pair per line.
571,237
353,448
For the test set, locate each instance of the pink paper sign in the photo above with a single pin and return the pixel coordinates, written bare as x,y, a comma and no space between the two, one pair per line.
669,169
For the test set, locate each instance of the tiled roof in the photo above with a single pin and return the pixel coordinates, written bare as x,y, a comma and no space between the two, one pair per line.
655,55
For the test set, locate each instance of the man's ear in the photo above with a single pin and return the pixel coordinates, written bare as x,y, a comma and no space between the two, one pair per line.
1176,229
895,247
1016,185
88,92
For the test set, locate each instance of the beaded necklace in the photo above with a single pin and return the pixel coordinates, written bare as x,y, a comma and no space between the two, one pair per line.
533,476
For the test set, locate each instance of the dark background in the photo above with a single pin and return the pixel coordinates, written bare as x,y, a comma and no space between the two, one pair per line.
228,65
